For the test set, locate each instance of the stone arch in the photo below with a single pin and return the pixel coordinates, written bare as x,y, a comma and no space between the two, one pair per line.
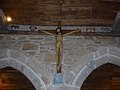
106,55
20,65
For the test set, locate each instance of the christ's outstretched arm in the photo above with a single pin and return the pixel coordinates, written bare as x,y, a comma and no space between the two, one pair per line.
71,32
47,32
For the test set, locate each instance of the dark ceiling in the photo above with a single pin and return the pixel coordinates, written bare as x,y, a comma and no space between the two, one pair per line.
73,12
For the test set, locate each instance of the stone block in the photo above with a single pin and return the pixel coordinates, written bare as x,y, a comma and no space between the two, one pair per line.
68,61
102,51
79,67
64,88
35,65
90,67
59,87
96,55
20,38
49,38
30,46
101,60
74,88
115,60
114,51
32,76
14,46
44,72
82,76
66,67
31,53
51,68
37,38
46,81
41,88
8,38
3,53
4,63
50,57
100,38
47,77
18,56
37,58
89,38
91,47
69,77
83,61
16,65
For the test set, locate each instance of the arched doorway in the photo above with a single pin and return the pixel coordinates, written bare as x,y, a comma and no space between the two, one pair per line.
11,79
105,77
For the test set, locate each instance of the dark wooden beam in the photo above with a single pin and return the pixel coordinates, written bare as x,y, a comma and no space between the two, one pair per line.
111,0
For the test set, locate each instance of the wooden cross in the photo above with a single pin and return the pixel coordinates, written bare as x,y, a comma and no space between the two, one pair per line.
59,45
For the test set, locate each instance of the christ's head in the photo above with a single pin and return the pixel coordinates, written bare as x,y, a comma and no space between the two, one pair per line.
58,31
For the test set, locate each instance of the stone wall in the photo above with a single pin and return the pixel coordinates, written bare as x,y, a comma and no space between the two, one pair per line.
34,56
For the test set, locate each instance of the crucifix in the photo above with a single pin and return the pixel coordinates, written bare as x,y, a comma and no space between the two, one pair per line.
59,44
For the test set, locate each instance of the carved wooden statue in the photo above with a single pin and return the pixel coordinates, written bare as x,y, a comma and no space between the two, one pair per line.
59,45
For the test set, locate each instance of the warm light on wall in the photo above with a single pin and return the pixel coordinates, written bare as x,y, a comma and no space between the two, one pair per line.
9,19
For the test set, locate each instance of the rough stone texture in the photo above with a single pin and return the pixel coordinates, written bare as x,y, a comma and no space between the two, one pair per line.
35,80
115,60
30,46
96,54
16,65
37,52
36,66
18,55
74,88
90,67
69,77
84,60
82,76
49,57
3,63
115,51
59,87
102,60
3,53
102,51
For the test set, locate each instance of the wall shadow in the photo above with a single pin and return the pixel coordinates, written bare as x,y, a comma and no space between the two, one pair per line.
12,79
105,77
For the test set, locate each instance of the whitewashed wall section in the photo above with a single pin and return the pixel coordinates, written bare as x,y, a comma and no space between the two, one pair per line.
37,28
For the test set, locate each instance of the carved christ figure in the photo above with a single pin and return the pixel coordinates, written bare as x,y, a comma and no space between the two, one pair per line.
59,45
